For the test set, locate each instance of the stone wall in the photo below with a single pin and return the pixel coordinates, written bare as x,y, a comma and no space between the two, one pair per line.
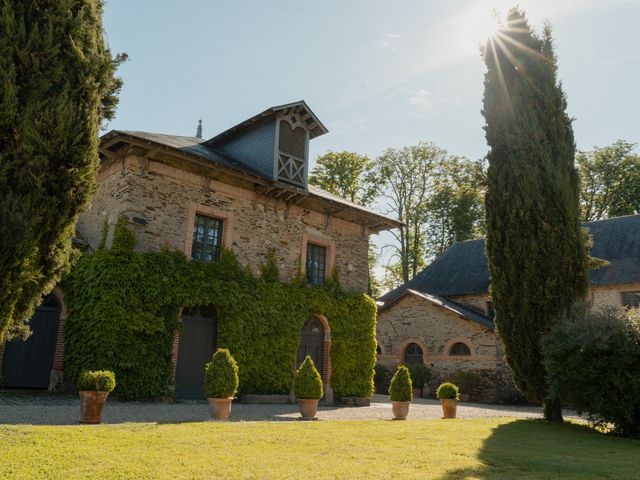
414,319
477,302
162,200
610,294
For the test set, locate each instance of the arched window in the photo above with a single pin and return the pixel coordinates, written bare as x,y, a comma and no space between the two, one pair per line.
413,354
459,350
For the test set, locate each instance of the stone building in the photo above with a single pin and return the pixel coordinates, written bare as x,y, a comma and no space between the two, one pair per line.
444,316
244,189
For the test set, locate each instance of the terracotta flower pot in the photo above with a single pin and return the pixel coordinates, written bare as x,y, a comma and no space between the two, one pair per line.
464,397
91,405
308,407
400,409
220,407
449,406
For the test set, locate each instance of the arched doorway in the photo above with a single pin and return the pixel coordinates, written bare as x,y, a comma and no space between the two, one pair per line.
197,344
312,344
28,363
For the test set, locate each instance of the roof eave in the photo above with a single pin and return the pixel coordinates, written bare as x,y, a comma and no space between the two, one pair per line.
374,222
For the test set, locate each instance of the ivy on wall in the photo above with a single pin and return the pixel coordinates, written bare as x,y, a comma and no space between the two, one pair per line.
123,315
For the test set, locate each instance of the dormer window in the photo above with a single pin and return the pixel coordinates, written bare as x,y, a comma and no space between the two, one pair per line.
293,139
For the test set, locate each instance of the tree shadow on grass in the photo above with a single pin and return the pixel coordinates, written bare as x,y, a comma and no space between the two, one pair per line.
535,449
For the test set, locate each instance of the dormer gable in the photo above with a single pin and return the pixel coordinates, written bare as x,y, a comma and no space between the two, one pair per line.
274,142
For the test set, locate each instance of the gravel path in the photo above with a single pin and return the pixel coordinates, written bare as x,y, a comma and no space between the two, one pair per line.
62,410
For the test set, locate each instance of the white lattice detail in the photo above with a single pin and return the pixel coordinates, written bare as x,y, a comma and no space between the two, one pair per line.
291,169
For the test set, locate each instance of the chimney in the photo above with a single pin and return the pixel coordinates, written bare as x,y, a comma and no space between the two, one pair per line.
199,129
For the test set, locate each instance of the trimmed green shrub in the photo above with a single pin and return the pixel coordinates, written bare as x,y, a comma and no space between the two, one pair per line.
467,381
420,374
123,316
97,380
221,375
400,389
308,382
447,391
592,362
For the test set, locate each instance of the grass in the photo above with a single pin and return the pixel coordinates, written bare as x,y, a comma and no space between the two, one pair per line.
425,449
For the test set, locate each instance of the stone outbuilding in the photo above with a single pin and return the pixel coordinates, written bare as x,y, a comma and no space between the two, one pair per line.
444,316
245,189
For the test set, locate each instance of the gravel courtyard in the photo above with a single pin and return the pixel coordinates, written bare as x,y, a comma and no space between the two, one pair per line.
46,409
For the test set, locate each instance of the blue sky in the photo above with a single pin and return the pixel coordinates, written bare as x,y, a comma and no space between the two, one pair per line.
377,73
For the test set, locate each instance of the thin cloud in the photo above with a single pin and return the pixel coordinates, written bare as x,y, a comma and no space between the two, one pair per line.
421,98
392,35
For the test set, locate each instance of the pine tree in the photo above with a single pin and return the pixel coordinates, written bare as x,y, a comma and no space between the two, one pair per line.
537,252
56,86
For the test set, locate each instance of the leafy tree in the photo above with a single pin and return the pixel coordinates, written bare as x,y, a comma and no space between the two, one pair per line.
407,182
348,175
455,208
56,85
438,197
351,176
610,181
536,249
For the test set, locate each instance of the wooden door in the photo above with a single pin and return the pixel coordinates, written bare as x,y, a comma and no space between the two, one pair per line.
196,347
27,363
312,343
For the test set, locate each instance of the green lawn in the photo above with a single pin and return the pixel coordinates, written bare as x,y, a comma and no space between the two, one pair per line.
439,449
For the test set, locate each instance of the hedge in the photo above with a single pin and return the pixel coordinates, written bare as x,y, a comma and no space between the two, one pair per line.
592,362
123,316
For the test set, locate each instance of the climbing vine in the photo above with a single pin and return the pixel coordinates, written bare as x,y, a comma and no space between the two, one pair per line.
124,307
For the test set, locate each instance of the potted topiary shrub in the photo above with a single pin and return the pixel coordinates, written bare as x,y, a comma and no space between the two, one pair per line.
307,387
94,387
467,382
420,375
400,393
221,383
448,395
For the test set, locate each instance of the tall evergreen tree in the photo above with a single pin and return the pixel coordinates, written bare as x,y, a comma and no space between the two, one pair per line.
537,252
56,85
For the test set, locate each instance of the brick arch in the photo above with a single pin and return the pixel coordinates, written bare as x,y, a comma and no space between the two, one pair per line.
453,341
57,368
175,346
409,341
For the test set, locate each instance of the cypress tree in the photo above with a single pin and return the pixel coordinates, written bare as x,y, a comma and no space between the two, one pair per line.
57,84
536,249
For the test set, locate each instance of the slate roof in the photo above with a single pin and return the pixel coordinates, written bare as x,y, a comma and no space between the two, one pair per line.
463,269
197,147
192,145
317,130
447,304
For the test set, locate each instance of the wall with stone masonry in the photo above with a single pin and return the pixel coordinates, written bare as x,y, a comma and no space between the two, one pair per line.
611,294
161,200
108,203
476,302
417,319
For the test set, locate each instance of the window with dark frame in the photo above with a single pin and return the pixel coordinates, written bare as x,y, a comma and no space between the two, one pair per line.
459,350
207,239
413,354
316,264
631,299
